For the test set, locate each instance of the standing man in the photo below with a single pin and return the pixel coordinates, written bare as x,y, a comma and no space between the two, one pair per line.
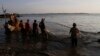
74,34
27,31
22,31
44,33
42,26
27,27
35,30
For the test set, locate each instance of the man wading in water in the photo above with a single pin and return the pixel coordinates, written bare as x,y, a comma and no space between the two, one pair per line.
44,33
74,34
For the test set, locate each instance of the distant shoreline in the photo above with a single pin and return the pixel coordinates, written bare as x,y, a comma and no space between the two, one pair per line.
31,14
60,13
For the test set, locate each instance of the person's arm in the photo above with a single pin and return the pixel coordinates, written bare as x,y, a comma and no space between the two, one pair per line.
70,32
78,32
44,26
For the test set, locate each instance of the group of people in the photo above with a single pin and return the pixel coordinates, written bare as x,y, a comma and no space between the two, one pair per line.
14,26
24,30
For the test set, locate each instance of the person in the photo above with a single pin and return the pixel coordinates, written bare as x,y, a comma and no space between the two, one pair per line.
43,33
7,32
11,23
9,27
42,25
27,26
16,24
6,28
16,31
74,34
27,32
35,30
22,30
21,26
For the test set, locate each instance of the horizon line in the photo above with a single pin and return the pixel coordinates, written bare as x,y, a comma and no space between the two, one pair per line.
58,13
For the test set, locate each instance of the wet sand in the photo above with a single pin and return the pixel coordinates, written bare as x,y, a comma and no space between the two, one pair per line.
58,44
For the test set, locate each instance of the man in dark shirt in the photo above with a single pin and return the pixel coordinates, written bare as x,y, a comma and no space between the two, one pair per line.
44,34
27,27
42,26
21,26
74,34
35,31
35,27
8,32
22,31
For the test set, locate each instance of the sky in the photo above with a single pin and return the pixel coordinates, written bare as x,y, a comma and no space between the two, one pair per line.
51,6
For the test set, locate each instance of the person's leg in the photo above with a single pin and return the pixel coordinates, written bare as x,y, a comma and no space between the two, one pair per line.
72,42
75,41
35,38
8,36
23,38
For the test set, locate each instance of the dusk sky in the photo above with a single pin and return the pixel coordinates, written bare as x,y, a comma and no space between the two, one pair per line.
51,6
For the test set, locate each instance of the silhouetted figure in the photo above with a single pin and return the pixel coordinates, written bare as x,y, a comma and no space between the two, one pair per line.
8,29
7,33
74,33
42,26
27,31
21,26
44,33
35,30
16,24
27,27
22,31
